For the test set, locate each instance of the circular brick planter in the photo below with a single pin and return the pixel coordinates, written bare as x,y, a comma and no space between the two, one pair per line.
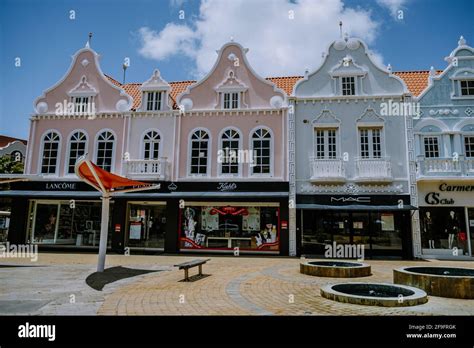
438,281
375,294
335,269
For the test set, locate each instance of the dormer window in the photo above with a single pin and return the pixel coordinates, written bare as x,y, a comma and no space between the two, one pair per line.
348,85
153,101
81,104
467,87
231,100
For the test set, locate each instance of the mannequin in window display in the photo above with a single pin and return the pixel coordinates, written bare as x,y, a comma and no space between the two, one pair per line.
428,229
190,225
452,228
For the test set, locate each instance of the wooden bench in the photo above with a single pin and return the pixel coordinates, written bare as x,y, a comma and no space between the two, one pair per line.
190,264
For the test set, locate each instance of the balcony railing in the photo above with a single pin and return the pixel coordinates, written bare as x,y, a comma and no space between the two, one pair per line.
152,169
373,169
452,166
327,170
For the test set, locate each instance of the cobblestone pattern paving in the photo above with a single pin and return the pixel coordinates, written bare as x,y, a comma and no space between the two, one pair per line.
235,286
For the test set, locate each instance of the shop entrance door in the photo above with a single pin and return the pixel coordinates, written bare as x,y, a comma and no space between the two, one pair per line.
146,226
323,227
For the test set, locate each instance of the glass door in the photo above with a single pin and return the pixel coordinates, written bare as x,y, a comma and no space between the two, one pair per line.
146,225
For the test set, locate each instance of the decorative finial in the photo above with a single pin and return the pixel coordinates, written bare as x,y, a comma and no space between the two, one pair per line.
432,71
340,29
124,67
346,36
389,67
462,41
88,43
306,71
231,39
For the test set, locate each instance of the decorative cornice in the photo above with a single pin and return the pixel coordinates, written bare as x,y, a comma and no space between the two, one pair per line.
351,188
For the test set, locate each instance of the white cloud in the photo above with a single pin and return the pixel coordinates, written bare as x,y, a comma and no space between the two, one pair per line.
278,45
393,5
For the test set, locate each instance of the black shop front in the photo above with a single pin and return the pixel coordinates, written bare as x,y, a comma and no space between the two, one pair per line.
381,223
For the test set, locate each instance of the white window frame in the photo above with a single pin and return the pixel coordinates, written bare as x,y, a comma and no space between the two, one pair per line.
114,147
231,100
325,131
68,153
370,136
272,152
239,147
82,108
40,157
154,101
460,88
438,139
341,84
209,154
465,137
143,142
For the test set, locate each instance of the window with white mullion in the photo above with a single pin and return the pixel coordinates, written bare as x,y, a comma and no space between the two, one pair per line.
105,149
431,146
326,141
151,148
199,152
467,87
348,85
50,153
370,140
261,145
77,148
231,100
154,101
80,104
469,145
230,142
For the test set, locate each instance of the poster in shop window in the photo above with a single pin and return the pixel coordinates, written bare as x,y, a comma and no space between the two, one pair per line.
135,230
388,223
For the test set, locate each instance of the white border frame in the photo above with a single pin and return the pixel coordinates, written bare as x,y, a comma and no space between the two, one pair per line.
219,147
68,150
272,152
40,157
114,148
209,155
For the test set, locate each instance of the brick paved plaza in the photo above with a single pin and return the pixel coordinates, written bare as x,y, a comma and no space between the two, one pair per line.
56,284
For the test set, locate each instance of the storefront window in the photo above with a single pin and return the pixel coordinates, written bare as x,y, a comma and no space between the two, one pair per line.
5,210
65,223
378,232
470,214
386,231
444,228
247,226
146,225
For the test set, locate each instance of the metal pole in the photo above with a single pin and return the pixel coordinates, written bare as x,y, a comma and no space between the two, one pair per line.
104,227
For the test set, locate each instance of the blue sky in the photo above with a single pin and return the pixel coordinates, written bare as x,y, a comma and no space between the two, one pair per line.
152,34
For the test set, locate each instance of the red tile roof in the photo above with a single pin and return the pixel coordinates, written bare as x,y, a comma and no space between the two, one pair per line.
4,140
416,82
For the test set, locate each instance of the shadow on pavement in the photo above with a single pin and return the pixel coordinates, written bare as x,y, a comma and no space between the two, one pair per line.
98,280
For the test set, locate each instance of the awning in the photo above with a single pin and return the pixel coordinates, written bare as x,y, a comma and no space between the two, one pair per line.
355,207
104,181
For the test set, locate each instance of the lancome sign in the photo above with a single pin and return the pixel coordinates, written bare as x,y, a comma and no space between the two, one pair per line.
60,186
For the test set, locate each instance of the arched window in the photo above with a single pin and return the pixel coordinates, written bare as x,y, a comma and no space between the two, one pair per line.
77,148
50,153
229,147
261,146
105,150
151,145
199,152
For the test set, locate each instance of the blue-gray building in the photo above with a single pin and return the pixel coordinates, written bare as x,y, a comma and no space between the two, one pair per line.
350,179
444,135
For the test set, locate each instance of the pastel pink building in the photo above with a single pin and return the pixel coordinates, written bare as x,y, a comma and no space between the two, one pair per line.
217,146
